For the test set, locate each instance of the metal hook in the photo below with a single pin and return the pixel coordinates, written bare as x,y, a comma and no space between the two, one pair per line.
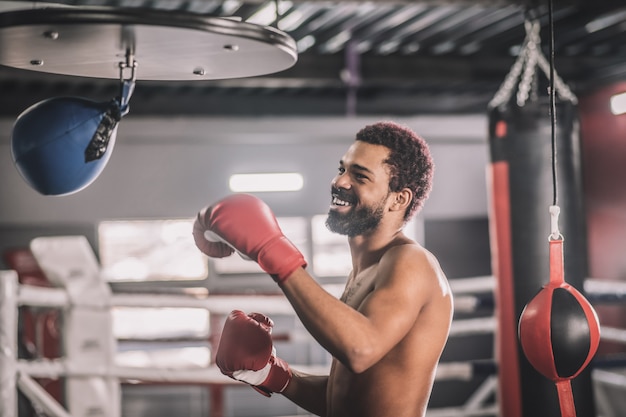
127,85
129,63
554,223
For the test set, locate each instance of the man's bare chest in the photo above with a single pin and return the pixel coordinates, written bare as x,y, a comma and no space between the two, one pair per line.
359,286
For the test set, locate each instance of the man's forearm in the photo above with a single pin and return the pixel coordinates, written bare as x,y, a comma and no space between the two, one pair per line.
308,392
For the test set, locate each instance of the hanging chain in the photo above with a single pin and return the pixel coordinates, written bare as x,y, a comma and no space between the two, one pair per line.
523,73
532,53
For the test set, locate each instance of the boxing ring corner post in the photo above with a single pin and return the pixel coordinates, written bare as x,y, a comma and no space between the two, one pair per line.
10,378
8,343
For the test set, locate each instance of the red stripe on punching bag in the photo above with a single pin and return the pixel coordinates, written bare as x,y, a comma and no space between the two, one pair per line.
501,255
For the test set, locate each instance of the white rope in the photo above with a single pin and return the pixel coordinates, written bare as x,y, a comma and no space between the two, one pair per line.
470,327
609,378
223,304
56,368
465,304
605,287
56,297
612,334
278,304
462,371
482,393
473,285
30,295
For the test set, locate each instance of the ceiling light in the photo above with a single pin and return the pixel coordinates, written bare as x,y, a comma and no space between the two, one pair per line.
389,47
230,6
618,104
268,14
305,43
286,181
265,15
335,43
604,22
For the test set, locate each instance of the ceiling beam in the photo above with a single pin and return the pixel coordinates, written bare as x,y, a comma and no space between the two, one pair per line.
325,70
164,3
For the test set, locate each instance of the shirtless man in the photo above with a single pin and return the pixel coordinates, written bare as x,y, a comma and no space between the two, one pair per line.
388,330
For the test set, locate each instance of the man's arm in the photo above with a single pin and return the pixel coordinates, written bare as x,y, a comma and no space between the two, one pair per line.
308,392
359,338
246,353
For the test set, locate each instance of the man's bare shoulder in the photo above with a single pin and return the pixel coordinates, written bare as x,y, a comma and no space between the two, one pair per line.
410,254
412,261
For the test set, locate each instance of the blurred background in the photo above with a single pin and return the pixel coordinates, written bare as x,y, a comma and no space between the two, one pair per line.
433,66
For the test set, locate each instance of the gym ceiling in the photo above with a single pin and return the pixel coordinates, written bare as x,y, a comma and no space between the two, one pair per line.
393,57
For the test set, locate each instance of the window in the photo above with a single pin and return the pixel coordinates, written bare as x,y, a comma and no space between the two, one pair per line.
150,250
331,253
295,228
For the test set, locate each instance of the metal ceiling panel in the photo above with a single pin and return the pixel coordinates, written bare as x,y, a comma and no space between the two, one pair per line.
411,57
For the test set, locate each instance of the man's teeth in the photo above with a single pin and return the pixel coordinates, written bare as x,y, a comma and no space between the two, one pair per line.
338,202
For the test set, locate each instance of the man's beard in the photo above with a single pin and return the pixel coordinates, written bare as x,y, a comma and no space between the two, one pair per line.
356,222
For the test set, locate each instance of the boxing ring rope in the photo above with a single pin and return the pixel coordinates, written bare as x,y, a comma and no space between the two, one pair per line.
223,304
26,295
597,290
20,372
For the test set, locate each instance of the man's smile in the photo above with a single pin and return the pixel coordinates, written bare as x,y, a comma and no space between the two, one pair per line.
340,200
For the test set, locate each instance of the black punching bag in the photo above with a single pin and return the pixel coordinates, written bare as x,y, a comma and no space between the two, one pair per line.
521,193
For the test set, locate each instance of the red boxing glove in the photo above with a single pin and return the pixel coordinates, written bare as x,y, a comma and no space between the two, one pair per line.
246,353
246,224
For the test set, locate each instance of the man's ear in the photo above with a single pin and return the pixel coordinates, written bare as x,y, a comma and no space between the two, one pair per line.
402,200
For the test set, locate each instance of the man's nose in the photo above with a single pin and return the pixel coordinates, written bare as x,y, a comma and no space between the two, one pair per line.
341,180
